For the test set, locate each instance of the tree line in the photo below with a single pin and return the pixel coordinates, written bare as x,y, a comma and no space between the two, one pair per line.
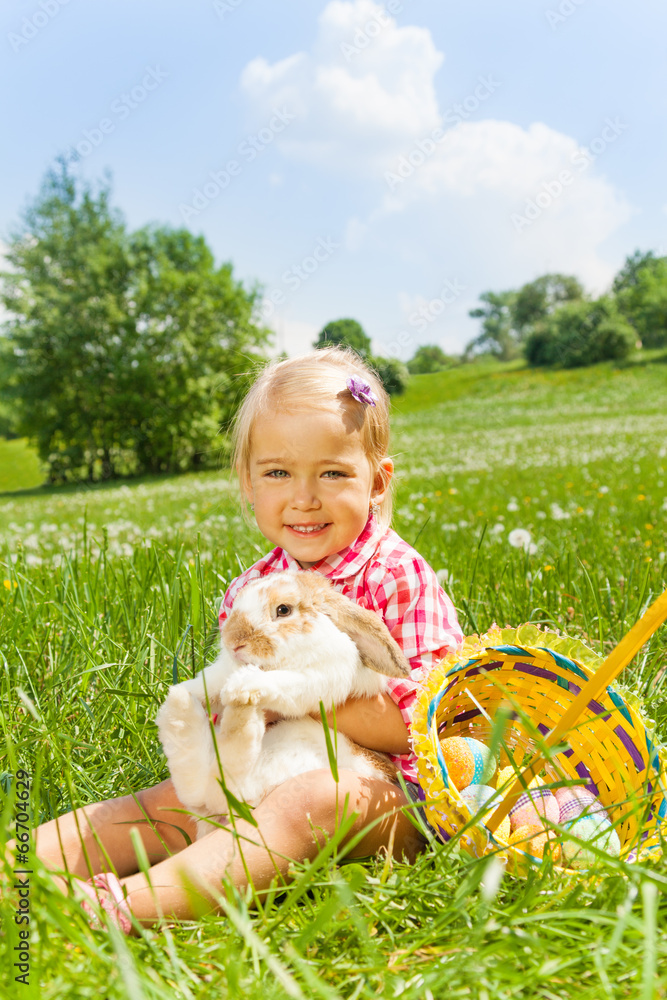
552,321
127,353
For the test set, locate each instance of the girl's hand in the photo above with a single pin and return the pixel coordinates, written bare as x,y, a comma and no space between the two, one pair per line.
270,717
375,723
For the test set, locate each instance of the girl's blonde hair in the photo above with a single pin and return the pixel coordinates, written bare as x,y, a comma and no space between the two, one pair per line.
318,379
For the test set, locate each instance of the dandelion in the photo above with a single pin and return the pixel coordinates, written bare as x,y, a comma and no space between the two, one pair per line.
603,490
512,506
520,538
444,577
497,529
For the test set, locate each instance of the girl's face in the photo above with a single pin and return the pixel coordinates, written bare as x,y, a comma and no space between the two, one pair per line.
310,482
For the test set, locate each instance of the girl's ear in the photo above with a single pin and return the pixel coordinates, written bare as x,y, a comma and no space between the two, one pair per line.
383,477
246,484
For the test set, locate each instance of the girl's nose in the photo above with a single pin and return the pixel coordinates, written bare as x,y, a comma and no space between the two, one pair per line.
305,498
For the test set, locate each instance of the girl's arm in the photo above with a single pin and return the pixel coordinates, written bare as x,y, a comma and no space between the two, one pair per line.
375,723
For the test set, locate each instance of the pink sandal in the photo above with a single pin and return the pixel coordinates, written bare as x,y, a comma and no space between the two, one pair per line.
114,904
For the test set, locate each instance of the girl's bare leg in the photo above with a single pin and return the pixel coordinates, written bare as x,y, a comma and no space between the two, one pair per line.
294,822
72,841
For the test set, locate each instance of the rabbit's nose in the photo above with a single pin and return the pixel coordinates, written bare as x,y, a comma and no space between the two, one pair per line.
242,646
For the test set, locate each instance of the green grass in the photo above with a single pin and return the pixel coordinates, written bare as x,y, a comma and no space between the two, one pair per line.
96,588
19,466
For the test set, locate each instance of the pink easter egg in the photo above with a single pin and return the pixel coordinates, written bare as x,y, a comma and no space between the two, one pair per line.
533,806
574,801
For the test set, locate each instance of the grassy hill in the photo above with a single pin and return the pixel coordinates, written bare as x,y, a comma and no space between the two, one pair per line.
19,466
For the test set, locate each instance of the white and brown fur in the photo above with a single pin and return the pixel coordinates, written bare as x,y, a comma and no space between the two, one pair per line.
325,649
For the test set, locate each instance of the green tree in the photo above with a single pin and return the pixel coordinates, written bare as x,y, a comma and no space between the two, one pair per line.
121,350
540,298
498,336
428,358
347,332
581,333
628,275
392,373
641,294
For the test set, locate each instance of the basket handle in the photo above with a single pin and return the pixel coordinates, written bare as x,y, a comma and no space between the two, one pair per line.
619,658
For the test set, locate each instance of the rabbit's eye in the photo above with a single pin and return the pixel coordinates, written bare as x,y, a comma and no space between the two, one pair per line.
283,610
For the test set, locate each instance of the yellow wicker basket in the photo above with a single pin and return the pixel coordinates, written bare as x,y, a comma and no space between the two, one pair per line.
536,676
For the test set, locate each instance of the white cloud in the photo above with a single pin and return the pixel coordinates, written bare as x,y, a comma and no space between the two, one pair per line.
352,111
461,183
531,194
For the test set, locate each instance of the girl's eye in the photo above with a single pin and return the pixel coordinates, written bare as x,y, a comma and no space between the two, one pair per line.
334,473
277,473
283,610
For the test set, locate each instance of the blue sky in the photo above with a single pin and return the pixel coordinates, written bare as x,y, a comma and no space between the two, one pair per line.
387,162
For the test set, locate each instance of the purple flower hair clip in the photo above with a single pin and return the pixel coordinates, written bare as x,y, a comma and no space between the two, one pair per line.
361,390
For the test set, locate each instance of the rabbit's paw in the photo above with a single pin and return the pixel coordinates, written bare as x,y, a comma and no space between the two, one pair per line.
246,687
180,712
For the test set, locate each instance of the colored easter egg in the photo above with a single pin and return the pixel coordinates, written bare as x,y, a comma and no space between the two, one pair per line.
574,801
534,839
533,806
476,797
595,828
467,760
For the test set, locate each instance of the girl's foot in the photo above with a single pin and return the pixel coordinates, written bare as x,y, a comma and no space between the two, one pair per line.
106,892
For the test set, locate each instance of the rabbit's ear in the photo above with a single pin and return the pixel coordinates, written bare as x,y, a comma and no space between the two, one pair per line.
378,650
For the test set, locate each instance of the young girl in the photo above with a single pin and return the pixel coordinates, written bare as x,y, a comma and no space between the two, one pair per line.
311,445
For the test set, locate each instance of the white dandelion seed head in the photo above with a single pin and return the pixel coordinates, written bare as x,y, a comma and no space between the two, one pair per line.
520,538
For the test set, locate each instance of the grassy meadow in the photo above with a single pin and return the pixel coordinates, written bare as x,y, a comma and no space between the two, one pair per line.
538,497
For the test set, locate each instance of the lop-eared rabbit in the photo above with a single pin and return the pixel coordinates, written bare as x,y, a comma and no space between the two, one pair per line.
290,641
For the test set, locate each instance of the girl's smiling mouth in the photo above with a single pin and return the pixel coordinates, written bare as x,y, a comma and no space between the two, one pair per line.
308,529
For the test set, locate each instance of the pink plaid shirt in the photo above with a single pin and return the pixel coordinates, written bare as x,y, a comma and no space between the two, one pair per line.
383,573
